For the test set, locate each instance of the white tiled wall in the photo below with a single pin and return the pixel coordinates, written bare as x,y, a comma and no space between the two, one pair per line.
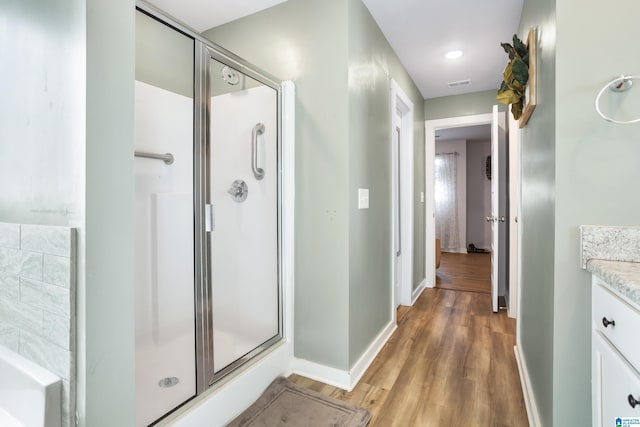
37,300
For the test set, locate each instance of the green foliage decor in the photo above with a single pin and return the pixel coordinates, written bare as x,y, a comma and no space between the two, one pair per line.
515,75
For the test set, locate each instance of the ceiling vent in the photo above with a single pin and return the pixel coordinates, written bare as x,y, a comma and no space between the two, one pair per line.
459,83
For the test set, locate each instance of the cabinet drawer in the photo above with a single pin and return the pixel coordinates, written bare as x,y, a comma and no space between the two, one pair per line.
613,382
624,333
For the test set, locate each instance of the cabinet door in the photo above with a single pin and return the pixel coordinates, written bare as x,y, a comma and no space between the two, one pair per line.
613,380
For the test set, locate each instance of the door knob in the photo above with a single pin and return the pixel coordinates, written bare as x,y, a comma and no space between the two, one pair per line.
489,219
503,219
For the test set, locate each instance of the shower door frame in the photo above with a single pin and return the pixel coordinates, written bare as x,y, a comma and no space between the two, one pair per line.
204,50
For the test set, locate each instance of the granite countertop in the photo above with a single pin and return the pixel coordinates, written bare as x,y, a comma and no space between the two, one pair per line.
613,254
622,276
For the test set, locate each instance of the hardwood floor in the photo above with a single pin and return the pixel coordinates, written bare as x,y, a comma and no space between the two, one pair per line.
464,272
449,363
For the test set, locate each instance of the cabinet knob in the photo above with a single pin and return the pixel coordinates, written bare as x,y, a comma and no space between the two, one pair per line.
632,401
606,322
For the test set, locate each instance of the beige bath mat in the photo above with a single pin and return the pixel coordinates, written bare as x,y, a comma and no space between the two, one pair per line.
283,404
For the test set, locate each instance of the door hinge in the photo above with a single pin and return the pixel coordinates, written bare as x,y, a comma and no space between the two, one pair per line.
209,218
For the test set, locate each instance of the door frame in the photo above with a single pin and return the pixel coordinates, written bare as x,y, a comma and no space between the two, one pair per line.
402,106
514,215
431,126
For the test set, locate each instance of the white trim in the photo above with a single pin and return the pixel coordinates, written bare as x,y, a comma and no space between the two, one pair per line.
514,213
527,391
346,380
401,103
361,366
429,153
418,291
324,374
289,202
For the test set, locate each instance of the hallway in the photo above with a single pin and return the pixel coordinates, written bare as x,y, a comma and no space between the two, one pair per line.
450,362
465,272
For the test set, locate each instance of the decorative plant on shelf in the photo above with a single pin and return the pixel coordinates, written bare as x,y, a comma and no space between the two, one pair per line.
516,75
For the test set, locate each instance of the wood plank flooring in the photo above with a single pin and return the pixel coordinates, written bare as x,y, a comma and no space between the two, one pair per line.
449,363
464,272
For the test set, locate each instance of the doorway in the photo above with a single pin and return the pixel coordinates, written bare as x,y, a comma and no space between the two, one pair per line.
499,213
402,148
462,204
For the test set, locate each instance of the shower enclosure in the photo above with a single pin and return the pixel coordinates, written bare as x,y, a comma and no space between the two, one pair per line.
208,181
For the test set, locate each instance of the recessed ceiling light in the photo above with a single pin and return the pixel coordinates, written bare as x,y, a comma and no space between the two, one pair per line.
454,54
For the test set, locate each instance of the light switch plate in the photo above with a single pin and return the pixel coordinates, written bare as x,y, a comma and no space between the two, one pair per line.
422,197
363,198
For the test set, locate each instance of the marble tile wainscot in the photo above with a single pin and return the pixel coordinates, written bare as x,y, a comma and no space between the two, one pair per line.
37,300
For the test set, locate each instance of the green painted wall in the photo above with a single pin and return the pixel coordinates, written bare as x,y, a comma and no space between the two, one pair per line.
42,110
164,57
372,64
341,65
538,165
596,176
66,145
577,169
105,301
304,41
461,105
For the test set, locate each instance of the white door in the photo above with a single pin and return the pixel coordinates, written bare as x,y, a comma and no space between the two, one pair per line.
397,214
495,207
614,381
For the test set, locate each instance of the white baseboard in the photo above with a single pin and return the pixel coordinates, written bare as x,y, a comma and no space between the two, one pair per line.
529,398
418,291
326,374
345,380
361,366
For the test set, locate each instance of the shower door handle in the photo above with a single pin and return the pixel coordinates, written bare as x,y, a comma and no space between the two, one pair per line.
258,130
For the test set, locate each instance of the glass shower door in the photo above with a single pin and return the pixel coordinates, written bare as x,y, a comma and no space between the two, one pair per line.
164,201
243,192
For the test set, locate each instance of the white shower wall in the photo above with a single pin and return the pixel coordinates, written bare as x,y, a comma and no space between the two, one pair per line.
244,243
164,271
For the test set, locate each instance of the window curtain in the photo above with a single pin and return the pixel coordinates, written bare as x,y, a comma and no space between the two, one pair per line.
446,195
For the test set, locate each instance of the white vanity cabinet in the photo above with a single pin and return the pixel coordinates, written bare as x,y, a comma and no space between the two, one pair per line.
615,361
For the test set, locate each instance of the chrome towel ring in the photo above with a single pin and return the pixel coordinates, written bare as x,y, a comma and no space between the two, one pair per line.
619,84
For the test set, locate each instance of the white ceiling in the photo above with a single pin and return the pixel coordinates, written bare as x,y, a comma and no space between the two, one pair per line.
420,32
470,133
204,14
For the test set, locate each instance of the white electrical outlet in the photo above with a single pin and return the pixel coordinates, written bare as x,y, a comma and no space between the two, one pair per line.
363,198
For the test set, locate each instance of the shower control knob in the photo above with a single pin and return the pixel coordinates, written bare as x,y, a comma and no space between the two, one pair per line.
239,191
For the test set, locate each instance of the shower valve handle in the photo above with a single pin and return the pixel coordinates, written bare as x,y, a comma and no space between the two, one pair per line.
238,191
